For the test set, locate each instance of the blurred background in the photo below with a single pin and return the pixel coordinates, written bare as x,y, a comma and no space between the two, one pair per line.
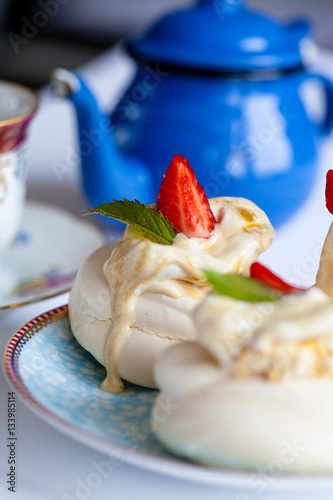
38,35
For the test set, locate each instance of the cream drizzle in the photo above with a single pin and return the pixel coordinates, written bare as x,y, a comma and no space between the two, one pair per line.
137,266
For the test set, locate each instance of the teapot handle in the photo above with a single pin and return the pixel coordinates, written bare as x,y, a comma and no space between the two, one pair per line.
327,125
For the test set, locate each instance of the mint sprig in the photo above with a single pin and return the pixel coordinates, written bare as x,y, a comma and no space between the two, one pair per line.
147,220
240,287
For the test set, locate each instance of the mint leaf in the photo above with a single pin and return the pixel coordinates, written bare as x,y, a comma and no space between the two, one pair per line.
241,288
147,220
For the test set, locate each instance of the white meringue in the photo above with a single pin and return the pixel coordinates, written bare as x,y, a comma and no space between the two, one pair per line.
255,390
134,297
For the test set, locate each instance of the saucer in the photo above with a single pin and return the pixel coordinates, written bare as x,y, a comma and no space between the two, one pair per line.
46,255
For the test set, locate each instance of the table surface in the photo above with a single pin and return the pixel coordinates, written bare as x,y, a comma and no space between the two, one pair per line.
51,465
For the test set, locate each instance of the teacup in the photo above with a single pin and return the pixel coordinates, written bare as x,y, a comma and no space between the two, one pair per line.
18,105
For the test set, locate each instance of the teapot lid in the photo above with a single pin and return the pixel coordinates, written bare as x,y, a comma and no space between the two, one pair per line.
221,35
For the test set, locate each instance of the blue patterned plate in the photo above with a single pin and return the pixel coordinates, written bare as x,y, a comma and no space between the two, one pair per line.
59,381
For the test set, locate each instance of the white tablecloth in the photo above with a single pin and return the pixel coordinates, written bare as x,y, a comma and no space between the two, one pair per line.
51,465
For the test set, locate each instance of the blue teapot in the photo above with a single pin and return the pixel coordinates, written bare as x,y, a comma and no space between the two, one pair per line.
220,85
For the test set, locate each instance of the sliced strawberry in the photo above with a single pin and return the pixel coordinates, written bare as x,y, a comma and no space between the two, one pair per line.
182,200
329,191
261,273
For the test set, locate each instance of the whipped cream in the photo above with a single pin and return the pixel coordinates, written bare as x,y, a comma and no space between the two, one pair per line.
288,339
324,277
139,266
258,381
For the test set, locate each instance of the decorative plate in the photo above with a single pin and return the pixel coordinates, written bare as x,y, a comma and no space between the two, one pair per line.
44,259
58,380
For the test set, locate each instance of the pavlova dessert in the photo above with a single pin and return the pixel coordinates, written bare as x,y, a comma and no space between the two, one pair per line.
255,389
134,297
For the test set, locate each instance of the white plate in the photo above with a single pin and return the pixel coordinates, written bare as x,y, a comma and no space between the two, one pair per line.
43,261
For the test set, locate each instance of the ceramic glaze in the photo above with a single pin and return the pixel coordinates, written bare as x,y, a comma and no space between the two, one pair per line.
242,138
220,85
18,105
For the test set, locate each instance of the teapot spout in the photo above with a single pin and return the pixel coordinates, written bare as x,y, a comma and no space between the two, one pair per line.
106,173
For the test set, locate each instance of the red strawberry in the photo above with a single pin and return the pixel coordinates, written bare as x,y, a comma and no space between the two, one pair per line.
329,191
261,273
182,200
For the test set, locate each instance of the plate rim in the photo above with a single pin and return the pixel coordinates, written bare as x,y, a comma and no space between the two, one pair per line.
176,467
58,208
